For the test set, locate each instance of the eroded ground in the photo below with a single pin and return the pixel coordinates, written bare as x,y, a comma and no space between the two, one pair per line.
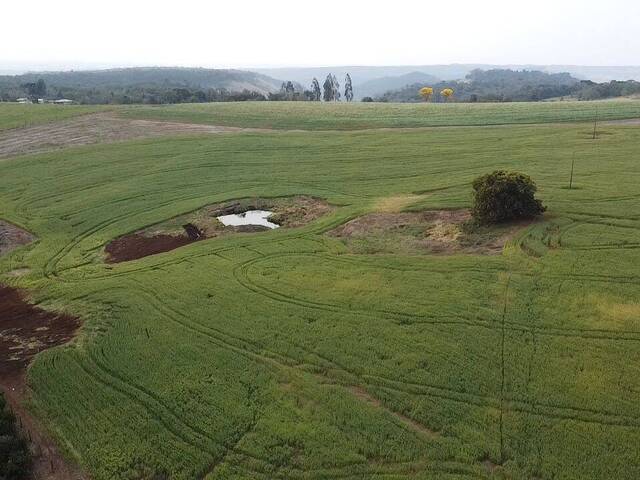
90,129
434,231
288,212
26,330
12,237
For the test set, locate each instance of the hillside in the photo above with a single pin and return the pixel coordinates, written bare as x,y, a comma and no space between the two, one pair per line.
501,85
83,85
361,74
378,86
235,80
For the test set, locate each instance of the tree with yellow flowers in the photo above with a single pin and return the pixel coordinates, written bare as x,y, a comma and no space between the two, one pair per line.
426,92
447,93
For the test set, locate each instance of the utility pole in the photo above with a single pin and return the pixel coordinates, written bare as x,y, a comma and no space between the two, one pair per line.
573,161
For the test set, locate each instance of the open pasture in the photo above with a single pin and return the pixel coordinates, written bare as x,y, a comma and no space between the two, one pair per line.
282,355
355,116
15,115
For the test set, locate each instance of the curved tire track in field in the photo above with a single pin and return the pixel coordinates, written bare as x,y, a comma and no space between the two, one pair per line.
534,408
241,273
156,407
50,268
307,234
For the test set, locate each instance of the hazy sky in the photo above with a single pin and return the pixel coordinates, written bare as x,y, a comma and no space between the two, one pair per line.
73,33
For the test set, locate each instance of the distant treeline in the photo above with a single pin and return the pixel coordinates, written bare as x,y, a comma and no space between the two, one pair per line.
151,94
162,86
166,92
139,85
516,86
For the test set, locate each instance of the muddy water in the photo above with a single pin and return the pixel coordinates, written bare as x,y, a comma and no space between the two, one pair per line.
252,217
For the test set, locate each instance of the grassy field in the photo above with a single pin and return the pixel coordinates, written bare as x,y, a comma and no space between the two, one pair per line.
331,116
279,355
14,115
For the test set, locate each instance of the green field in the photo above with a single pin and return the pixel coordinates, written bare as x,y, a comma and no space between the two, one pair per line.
279,355
15,115
332,116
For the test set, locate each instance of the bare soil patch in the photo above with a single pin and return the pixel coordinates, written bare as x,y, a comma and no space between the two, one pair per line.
138,245
435,231
91,129
628,121
26,330
288,212
12,237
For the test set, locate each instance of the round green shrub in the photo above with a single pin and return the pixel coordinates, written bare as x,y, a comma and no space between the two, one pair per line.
503,196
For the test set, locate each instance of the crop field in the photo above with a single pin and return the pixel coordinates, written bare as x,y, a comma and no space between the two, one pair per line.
284,354
13,115
331,116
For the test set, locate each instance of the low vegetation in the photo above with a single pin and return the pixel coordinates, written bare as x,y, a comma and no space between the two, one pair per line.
14,115
444,232
336,116
286,354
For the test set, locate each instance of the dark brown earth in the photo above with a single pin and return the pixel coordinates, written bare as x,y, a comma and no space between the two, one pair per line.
136,245
26,330
12,237
288,212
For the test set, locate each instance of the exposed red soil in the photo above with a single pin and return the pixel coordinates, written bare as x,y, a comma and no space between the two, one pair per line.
136,245
12,237
26,330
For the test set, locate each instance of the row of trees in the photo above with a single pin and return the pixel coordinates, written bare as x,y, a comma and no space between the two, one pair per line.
329,92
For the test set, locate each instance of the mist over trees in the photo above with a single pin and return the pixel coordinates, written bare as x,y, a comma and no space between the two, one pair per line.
162,86
501,85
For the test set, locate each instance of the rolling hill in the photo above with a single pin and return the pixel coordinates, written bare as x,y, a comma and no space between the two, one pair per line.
380,85
232,80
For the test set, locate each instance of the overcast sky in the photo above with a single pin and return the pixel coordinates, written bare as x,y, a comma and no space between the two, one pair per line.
251,33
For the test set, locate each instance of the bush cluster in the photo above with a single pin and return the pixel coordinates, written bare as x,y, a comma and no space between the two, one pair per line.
503,196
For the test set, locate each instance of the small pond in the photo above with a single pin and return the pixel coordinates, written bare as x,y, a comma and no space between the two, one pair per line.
251,217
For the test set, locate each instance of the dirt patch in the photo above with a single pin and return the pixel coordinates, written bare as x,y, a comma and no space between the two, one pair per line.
90,129
18,272
26,330
137,245
288,212
12,237
628,121
433,231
